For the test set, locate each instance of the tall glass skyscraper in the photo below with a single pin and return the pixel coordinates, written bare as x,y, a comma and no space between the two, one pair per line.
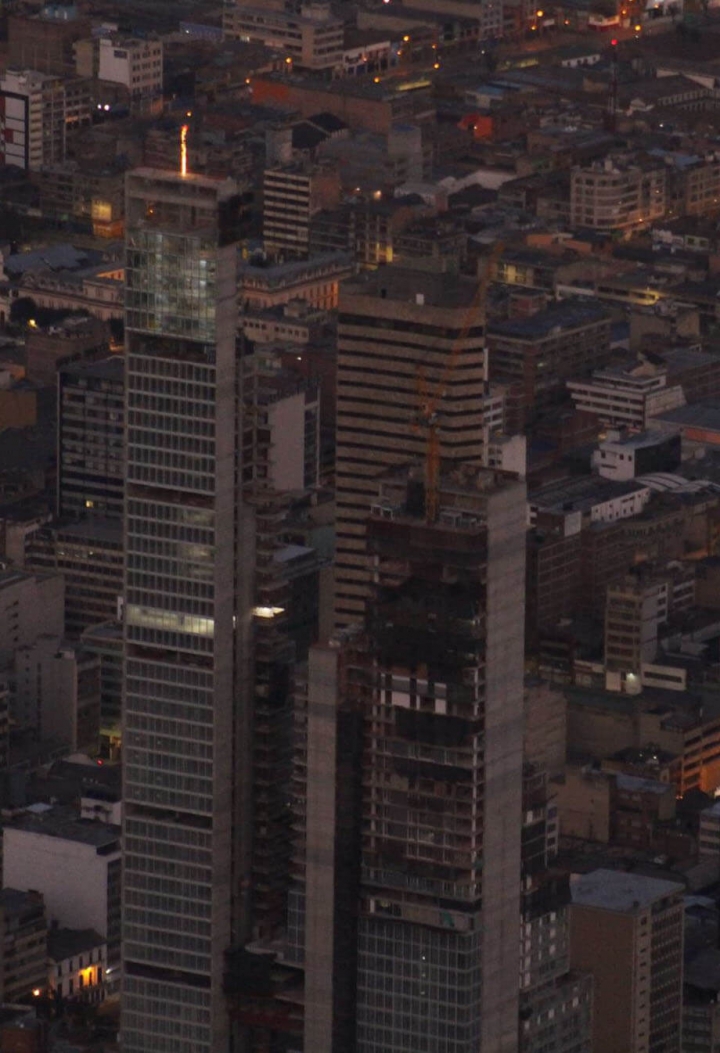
189,562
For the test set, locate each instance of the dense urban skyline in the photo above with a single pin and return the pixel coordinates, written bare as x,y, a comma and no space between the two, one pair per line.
360,526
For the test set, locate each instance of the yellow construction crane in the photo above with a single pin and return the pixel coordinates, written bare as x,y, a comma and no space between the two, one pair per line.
430,399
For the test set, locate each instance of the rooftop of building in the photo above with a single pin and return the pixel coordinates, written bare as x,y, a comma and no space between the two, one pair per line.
106,632
705,415
64,823
16,901
620,892
111,368
649,756
636,784
554,320
272,273
677,710
409,286
98,530
68,943
640,441
62,257
659,88
14,576
582,493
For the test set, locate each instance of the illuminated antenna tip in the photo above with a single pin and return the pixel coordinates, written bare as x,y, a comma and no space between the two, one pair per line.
183,150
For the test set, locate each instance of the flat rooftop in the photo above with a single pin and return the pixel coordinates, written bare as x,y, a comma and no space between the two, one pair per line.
15,900
111,368
65,824
697,415
421,288
637,442
564,316
636,784
618,891
98,531
68,943
582,494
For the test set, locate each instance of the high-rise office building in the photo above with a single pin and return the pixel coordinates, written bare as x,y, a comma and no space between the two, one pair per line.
397,331
413,781
189,562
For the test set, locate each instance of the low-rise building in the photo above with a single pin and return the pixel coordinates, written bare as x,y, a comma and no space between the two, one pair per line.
37,113
535,356
626,397
622,456
78,967
317,281
135,63
97,290
617,194
47,349
311,38
93,194
684,724
47,848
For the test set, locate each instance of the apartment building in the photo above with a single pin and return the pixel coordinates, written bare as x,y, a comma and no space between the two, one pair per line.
635,610
292,194
617,194
309,35
629,396
137,64
536,355
37,113
626,930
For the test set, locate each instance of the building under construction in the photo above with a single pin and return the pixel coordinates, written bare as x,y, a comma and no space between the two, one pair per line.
412,770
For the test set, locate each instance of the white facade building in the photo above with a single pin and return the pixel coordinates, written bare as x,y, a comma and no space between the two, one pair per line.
32,119
75,863
630,398
77,966
136,64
